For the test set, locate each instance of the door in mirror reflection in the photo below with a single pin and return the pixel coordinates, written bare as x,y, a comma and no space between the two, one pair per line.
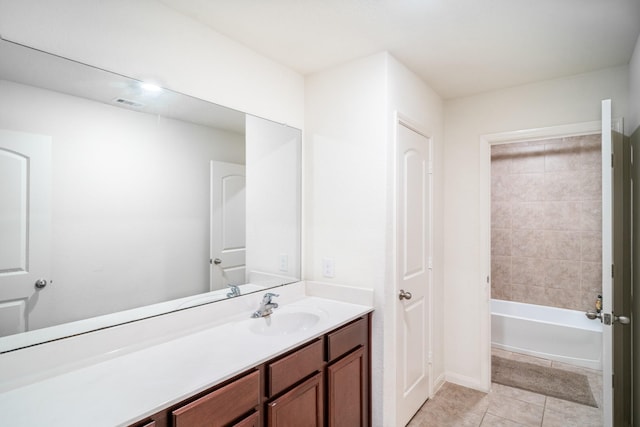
228,224
24,225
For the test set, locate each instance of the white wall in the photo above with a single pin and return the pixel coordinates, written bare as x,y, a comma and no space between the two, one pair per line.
144,39
349,144
555,102
125,230
634,91
345,185
273,201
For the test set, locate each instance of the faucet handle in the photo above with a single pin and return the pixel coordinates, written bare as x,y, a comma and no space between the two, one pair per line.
269,295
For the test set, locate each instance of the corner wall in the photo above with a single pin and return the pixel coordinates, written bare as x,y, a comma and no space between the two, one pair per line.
146,40
555,102
349,149
345,187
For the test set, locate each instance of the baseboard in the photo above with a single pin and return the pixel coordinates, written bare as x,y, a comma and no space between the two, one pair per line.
437,384
465,381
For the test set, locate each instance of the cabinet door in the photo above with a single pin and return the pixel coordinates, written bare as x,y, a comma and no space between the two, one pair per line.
300,407
252,420
347,391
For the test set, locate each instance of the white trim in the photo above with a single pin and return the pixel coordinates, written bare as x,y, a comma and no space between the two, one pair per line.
486,141
437,384
607,261
585,128
465,381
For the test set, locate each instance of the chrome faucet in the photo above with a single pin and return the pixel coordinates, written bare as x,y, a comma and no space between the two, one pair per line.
266,306
234,291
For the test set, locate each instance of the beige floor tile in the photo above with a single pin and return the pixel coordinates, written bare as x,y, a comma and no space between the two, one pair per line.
569,419
438,414
516,393
515,410
491,420
566,407
457,406
461,400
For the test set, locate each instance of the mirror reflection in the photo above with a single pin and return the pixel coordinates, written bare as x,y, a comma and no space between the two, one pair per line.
123,200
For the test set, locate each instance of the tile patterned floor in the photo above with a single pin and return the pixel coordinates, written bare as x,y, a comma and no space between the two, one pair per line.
457,406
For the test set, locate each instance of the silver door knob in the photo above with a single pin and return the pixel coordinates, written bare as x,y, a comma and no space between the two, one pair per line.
593,315
217,261
40,283
623,320
404,294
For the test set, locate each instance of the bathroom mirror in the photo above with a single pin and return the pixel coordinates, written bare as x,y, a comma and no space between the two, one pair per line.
122,200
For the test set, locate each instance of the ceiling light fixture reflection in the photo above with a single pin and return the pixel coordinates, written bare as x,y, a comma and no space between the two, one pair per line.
150,87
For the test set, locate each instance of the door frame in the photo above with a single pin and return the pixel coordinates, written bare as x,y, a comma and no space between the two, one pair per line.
486,142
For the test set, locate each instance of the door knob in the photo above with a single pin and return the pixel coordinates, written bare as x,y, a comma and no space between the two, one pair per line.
40,283
404,295
217,261
593,315
623,320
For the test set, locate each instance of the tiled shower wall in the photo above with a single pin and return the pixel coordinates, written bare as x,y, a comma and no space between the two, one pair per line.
546,226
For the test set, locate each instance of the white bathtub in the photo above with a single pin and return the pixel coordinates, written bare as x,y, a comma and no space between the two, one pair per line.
552,333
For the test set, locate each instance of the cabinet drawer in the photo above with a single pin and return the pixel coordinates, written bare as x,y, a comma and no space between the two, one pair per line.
222,406
347,338
252,420
290,369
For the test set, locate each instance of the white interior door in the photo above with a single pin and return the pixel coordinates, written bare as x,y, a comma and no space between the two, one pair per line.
228,225
25,175
413,271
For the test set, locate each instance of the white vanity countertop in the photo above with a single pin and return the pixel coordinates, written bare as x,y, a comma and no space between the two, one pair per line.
124,389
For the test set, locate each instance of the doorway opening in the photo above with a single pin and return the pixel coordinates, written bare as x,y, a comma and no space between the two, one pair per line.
542,246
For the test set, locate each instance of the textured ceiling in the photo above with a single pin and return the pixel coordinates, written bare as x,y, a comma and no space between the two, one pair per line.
458,47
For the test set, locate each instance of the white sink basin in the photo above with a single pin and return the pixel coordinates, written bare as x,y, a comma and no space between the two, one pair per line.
286,321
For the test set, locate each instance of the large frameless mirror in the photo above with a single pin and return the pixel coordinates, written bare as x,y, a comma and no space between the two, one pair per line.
121,200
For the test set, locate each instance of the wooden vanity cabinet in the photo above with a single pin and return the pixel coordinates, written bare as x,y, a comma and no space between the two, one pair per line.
348,375
324,382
